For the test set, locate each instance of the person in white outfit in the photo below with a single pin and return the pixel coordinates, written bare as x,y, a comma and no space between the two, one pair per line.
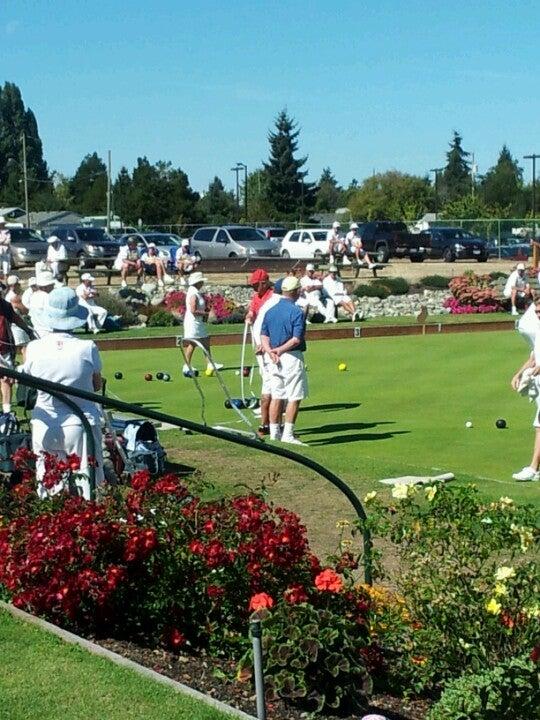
128,261
151,260
87,293
354,241
57,257
13,297
59,357
40,300
184,261
31,288
5,249
335,290
336,243
518,288
310,295
194,324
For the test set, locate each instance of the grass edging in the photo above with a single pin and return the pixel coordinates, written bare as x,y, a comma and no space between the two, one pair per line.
95,649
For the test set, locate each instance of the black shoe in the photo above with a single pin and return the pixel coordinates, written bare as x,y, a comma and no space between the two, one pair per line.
263,431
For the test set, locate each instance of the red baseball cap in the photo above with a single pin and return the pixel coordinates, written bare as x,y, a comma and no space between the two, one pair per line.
258,276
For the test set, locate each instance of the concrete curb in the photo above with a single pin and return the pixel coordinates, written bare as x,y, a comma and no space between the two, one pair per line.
124,662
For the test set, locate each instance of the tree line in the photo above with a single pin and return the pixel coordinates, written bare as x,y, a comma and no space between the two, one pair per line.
160,193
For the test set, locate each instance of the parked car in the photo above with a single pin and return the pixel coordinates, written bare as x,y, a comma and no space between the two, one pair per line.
27,247
275,234
452,244
383,239
305,244
167,243
87,247
511,248
231,241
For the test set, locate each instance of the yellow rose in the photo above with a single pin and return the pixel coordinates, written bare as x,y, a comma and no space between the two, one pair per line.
501,589
493,607
370,496
400,491
431,491
504,572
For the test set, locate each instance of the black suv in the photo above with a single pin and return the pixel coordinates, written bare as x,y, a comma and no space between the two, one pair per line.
87,247
453,244
384,239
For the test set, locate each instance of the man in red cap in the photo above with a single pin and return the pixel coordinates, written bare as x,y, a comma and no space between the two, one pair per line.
262,299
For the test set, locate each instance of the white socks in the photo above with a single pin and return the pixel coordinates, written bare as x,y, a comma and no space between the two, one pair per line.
288,430
6,407
275,431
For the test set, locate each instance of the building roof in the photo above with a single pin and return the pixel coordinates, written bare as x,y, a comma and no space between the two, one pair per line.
12,212
51,217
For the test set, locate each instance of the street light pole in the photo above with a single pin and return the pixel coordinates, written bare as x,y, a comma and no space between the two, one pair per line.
533,157
436,171
25,175
236,170
244,166
109,193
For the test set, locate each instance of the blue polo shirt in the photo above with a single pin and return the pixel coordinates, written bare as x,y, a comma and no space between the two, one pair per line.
284,321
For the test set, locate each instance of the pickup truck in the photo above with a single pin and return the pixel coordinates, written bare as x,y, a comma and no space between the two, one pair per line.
383,240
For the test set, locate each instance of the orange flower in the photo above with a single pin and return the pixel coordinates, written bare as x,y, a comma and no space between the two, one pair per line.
329,580
419,660
261,601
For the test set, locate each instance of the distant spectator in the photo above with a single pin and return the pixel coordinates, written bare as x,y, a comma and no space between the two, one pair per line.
13,297
57,258
336,243
5,249
87,293
31,288
39,301
151,261
335,290
8,317
310,295
517,288
128,261
185,262
354,242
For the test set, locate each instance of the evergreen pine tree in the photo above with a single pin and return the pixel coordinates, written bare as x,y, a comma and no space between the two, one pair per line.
88,186
217,205
456,178
502,186
288,192
329,194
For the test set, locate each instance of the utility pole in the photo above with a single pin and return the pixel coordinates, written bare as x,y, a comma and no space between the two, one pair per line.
474,171
109,193
534,157
437,172
236,170
25,171
244,166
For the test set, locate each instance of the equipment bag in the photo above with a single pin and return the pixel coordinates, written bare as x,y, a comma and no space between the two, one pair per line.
11,439
26,396
142,445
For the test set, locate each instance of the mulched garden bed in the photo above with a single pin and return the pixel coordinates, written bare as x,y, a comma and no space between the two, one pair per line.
217,678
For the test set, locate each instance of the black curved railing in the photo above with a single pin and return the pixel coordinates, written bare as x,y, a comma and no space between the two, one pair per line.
61,392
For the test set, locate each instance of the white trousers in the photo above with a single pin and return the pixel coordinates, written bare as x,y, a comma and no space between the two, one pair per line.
64,440
313,300
96,315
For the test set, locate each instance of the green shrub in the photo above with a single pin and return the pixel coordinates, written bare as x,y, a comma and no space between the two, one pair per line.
162,318
435,282
117,306
509,690
496,274
374,290
396,286
468,578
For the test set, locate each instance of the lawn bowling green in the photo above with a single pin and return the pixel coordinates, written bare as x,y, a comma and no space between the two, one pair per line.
400,409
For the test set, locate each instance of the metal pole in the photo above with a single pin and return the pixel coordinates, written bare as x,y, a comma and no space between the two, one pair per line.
109,193
256,641
436,171
533,157
245,192
25,171
236,170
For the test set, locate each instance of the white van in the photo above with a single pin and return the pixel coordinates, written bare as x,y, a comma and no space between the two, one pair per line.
305,244
230,241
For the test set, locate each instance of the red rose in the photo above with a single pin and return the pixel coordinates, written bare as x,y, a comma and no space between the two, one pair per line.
295,594
329,580
261,601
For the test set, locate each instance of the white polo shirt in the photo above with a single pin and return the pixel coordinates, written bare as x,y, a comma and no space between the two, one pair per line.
56,254
334,288
86,294
62,358
353,240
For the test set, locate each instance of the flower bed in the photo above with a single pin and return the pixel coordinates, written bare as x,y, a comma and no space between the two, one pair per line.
473,294
220,309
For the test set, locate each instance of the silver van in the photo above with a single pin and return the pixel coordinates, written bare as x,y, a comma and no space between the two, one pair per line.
230,241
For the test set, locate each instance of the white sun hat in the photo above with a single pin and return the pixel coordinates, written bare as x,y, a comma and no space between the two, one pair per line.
45,278
196,277
309,267
336,224
13,279
87,276
53,239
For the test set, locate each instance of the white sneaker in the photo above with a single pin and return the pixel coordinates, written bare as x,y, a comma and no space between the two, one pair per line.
161,283
124,283
308,322
514,311
371,266
528,474
217,366
168,279
334,320
291,440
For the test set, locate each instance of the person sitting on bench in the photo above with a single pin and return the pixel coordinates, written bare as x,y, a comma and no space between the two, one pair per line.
128,260
152,263
355,243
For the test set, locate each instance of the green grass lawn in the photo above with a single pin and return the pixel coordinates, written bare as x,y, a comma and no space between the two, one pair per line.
400,408
43,678
372,322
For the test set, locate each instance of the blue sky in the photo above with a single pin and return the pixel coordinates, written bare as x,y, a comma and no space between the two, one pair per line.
374,85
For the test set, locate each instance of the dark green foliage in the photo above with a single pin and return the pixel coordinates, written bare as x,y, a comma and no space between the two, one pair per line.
329,193
313,658
435,282
502,186
508,691
395,286
16,120
116,305
218,206
456,178
162,318
288,192
496,274
88,186
374,290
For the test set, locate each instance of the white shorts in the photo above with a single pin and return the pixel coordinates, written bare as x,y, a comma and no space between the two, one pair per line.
536,421
288,379
341,298
264,372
